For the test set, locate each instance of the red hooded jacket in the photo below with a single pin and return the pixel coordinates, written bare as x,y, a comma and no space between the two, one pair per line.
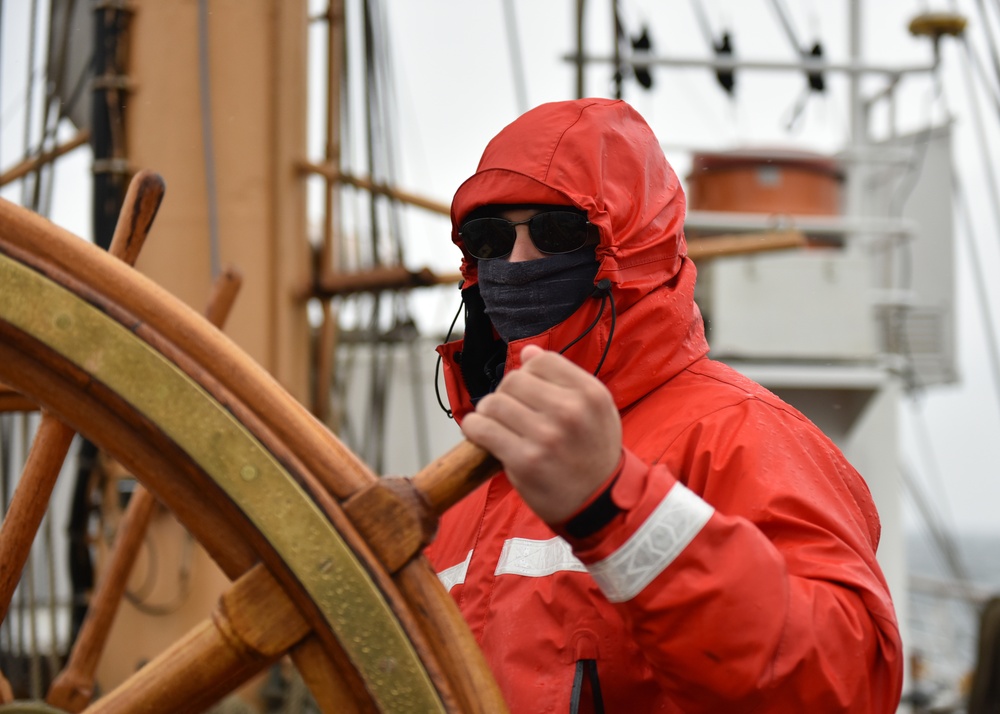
739,571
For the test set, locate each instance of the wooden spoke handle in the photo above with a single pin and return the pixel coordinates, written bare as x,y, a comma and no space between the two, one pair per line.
455,475
253,625
398,516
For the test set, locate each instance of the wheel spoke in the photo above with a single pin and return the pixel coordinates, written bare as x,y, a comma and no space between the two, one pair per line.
142,201
454,475
30,502
334,685
253,625
74,687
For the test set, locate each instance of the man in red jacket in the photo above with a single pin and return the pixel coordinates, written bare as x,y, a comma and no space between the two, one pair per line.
667,535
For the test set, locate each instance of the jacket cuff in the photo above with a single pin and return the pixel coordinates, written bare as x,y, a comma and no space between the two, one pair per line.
636,488
597,511
615,495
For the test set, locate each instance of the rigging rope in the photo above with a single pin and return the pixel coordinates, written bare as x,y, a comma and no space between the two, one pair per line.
988,165
516,57
208,148
55,74
619,39
981,73
382,321
703,24
991,40
939,534
387,138
371,126
979,282
722,47
30,100
786,24
991,85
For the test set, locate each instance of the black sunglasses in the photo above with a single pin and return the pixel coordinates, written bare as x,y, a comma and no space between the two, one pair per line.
552,232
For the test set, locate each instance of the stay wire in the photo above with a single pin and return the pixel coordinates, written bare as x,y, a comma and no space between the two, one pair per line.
381,103
371,120
420,425
939,536
786,23
723,47
54,111
516,55
991,40
941,510
369,435
988,166
703,24
979,282
982,74
619,75
991,85
208,148
29,103
380,388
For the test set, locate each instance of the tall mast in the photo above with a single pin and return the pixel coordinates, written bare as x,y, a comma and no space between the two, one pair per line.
250,139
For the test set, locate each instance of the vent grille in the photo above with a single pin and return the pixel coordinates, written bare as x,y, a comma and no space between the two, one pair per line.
924,338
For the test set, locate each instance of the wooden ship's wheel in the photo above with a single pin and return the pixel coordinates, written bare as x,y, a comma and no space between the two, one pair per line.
324,557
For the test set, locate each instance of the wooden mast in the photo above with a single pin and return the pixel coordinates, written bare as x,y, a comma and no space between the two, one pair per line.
256,74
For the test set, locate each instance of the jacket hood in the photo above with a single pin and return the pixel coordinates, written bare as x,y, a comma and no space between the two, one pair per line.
600,156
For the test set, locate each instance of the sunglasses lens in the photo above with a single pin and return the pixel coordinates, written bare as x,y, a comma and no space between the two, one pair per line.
487,238
559,231
551,232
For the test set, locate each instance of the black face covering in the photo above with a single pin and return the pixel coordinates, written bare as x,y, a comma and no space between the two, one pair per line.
526,298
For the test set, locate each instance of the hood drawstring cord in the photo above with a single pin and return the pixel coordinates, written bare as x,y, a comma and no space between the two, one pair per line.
603,291
437,369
